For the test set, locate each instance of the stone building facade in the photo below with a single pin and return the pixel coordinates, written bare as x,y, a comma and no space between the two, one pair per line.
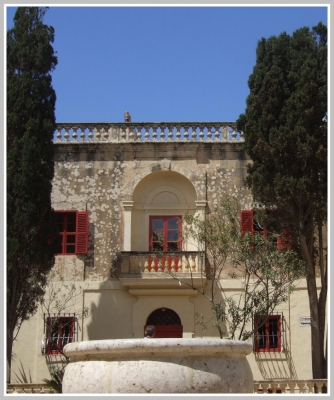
121,183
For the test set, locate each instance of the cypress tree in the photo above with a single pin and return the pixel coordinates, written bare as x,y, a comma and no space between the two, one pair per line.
285,126
31,231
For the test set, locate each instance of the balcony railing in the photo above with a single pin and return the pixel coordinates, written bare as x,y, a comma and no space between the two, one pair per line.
150,262
73,132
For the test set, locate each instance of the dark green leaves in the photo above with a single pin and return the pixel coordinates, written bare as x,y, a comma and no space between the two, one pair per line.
31,232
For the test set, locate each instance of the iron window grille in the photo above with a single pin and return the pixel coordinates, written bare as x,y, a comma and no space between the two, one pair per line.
269,333
163,316
59,330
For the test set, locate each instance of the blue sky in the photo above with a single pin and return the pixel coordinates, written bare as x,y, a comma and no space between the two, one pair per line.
162,64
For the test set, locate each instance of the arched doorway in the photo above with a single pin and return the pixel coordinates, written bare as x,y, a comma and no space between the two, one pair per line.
166,322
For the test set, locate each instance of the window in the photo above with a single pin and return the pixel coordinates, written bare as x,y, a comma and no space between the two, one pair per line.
73,230
58,332
268,333
249,224
165,233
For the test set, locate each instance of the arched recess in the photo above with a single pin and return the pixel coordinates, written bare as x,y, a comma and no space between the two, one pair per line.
180,301
167,323
161,193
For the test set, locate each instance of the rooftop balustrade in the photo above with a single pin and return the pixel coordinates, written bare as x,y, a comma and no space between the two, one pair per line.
147,132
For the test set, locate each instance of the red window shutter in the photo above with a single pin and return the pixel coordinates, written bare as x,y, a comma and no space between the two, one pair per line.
279,334
61,323
48,336
283,242
72,330
246,221
82,232
279,244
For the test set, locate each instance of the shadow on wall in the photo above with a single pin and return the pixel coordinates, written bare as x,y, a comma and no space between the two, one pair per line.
110,311
115,269
88,258
277,365
204,316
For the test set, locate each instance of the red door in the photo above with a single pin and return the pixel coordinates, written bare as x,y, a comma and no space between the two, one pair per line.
168,331
166,322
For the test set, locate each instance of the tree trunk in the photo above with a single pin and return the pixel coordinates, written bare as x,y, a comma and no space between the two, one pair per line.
323,297
10,339
316,337
317,341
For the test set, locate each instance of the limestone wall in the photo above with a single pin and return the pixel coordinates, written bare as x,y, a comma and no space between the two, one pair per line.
170,178
98,178
114,313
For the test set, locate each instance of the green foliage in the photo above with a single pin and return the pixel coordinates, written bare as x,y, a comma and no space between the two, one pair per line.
266,276
285,124
31,233
23,378
57,375
285,127
62,297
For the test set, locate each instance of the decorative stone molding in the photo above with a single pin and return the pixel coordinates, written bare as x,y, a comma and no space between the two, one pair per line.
178,194
128,205
201,204
165,164
201,207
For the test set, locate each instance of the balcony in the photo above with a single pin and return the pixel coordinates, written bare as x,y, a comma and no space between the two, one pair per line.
163,271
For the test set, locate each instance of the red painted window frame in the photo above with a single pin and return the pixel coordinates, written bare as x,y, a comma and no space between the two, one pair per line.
165,230
62,322
80,233
266,327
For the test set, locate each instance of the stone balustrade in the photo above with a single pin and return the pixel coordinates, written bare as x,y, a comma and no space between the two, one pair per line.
147,263
147,132
291,386
29,388
287,386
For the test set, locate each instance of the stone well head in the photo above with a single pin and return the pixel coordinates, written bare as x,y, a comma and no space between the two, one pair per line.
170,365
